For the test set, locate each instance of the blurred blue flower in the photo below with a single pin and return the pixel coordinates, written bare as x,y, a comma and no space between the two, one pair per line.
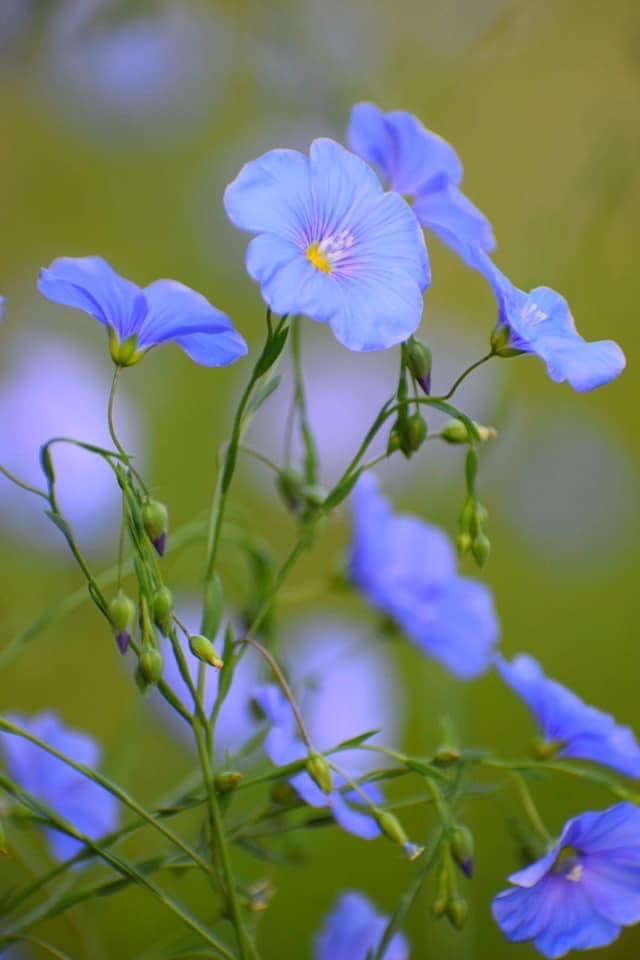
53,388
353,931
138,319
423,167
68,793
407,569
540,322
282,745
577,729
583,891
331,243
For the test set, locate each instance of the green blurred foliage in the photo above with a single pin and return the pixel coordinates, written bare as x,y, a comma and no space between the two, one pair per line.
541,100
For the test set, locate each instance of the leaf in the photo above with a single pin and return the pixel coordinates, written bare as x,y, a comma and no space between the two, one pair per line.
263,394
356,741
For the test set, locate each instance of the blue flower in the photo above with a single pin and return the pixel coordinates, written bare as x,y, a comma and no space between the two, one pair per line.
583,891
353,931
68,793
283,746
540,322
331,244
138,319
577,729
407,569
423,167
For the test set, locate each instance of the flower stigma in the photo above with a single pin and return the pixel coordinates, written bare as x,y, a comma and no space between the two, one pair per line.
324,254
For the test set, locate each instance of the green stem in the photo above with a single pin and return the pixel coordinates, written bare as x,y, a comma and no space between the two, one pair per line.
22,484
300,401
465,374
528,805
112,430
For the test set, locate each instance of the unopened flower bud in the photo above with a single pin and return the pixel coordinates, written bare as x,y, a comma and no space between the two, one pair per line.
156,522
461,843
419,361
478,520
320,772
162,609
289,484
283,794
393,829
457,911
395,441
439,905
227,780
314,496
463,543
455,432
202,648
446,755
415,432
122,612
150,668
481,548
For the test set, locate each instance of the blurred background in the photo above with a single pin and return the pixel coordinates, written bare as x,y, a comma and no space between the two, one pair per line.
122,123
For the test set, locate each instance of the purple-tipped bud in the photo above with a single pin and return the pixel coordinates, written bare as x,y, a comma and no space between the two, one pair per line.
122,612
123,639
419,361
461,843
156,522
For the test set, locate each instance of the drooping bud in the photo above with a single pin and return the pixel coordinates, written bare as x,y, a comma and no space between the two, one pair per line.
395,440
419,362
481,548
202,648
415,431
457,911
393,829
162,608
463,543
122,612
289,484
461,844
320,772
227,780
150,668
454,431
156,523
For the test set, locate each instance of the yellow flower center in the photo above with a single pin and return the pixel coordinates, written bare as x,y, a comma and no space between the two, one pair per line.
318,258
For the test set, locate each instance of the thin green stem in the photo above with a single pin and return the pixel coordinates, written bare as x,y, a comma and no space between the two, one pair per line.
257,455
465,373
22,484
300,400
528,805
43,945
112,430
284,686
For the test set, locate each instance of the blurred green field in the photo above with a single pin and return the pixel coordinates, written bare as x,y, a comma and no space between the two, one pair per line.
541,99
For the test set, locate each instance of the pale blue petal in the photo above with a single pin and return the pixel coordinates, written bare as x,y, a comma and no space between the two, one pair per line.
407,154
272,195
353,929
92,285
523,913
343,186
614,833
455,623
531,875
289,282
377,311
574,924
614,889
455,219
354,821
175,312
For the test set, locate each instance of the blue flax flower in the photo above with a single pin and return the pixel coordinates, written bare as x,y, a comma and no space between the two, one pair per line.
540,322
408,569
569,724
353,931
423,167
583,891
68,793
331,244
140,318
283,746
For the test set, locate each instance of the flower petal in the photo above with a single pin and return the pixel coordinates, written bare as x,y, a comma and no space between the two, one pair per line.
342,185
92,285
614,889
407,154
353,931
455,219
175,312
357,822
272,195
289,282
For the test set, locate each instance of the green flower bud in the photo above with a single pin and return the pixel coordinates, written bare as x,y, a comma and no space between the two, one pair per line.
289,485
162,608
150,668
320,772
439,906
283,794
446,755
156,522
122,612
202,648
395,440
415,432
454,431
461,843
391,827
419,361
481,548
478,520
463,543
227,780
314,496
457,911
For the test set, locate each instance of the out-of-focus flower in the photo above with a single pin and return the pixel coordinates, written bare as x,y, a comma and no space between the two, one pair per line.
331,244
353,931
68,793
134,71
583,891
540,322
422,166
569,724
138,319
53,388
283,745
407,569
